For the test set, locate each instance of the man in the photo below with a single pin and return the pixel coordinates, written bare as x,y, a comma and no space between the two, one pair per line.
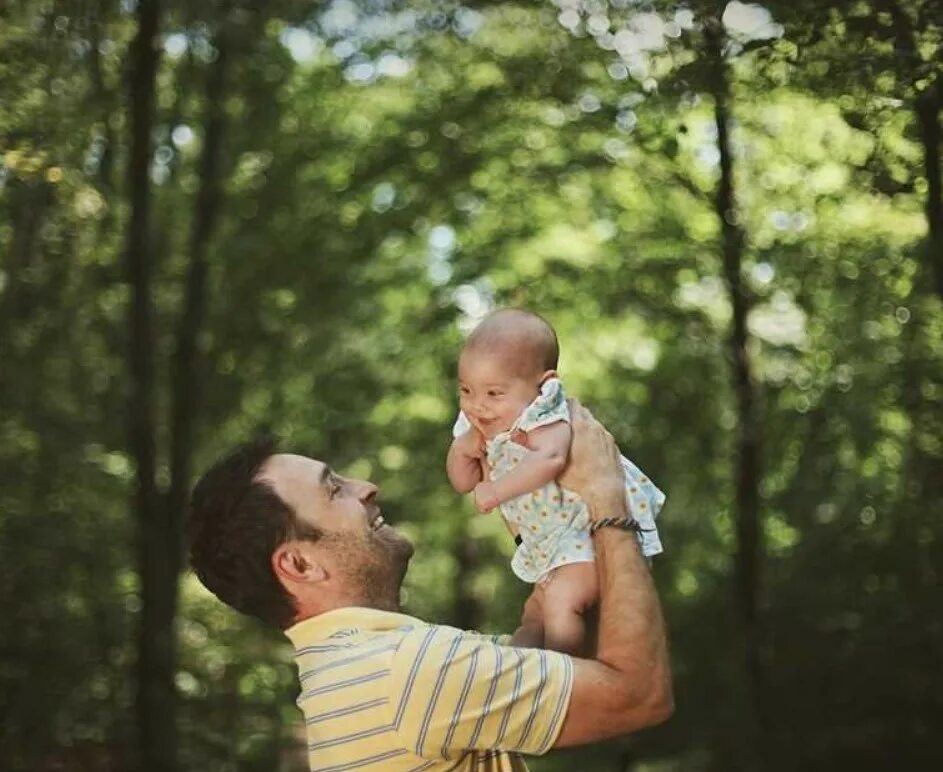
287,539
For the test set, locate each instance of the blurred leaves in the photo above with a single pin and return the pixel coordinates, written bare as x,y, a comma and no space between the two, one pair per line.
395,170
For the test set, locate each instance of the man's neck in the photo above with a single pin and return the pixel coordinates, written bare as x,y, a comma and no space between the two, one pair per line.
310,610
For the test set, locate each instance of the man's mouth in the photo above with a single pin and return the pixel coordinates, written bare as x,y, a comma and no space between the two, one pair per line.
377,523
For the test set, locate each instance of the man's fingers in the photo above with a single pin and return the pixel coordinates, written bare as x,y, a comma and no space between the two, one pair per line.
584,420
578,413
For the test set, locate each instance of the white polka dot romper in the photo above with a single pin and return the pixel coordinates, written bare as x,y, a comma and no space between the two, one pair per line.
553,523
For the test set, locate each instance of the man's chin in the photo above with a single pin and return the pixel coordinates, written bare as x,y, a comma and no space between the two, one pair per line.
405,551
394,537
407,545
400,547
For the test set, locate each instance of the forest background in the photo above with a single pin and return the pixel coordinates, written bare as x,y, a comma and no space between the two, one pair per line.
222,217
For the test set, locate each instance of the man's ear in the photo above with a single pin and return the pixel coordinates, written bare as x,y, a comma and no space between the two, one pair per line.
293,561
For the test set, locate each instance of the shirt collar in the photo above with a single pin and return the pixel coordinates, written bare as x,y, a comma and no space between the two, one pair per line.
352,619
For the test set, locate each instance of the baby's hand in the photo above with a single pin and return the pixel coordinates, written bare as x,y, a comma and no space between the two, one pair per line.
486,498
473,444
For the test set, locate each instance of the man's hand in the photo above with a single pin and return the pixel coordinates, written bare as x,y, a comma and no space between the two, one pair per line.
594,469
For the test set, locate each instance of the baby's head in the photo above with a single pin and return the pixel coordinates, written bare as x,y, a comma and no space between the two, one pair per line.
503,364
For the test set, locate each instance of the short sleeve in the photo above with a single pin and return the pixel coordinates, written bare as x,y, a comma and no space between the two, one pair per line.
461,425
549,407
452,692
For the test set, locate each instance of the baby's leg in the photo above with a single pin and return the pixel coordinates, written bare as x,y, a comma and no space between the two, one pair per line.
530,634
569,592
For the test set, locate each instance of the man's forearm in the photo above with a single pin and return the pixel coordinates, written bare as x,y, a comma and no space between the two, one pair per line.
627,685
631,636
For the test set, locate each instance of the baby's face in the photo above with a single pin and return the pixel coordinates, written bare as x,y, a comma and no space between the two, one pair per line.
490,394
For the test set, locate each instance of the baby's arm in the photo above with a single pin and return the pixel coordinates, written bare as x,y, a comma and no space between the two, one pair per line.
464,464
548,447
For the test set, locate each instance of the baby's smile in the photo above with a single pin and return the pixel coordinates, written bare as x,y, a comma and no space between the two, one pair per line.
490,427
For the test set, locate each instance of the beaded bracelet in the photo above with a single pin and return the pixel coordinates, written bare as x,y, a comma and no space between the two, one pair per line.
625,523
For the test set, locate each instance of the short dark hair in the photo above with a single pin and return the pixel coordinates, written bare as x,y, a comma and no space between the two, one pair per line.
235,523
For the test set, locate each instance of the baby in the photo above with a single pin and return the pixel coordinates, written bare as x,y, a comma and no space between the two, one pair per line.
511,440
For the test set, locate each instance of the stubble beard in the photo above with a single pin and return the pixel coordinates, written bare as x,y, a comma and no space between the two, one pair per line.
376,566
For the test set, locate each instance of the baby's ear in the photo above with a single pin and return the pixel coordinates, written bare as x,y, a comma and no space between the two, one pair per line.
547,375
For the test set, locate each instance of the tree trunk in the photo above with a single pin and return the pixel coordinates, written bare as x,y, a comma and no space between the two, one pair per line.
750,550
29,202
104,104
910,69
928,118
156,699
185,380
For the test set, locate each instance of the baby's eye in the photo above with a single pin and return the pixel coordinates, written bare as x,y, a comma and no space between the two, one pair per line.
463,390
495,393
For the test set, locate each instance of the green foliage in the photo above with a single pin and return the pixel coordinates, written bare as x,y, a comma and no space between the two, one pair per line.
389,173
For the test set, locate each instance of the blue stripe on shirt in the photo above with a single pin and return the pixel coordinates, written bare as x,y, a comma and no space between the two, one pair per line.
324,647
562,702
346,711
346,661
411,678
424,765
361,762
486,709
363,733
436,691
529,724
466,688
515,693
342,684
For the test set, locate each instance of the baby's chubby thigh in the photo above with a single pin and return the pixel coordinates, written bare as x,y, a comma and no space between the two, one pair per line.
569,588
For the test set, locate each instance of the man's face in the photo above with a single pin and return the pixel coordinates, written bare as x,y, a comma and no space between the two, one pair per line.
357,545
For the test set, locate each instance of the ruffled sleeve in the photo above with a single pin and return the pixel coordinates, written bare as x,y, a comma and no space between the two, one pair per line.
548,408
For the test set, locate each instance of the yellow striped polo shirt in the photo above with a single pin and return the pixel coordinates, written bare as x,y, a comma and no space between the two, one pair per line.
386,691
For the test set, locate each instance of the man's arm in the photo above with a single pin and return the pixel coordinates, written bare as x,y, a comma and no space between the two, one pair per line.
628,685
451,691
546,456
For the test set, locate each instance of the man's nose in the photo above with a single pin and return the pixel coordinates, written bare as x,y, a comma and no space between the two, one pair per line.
368,491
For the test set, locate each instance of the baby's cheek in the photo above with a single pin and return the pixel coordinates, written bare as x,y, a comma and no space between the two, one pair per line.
508,416
513,411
